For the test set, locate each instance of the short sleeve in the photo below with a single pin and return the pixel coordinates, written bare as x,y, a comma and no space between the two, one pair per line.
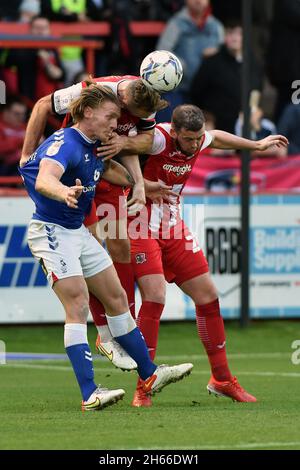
207,140
159,142
61,99
62,154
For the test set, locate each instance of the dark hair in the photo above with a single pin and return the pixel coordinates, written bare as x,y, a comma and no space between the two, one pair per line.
92,97
145,97
189,117
231,23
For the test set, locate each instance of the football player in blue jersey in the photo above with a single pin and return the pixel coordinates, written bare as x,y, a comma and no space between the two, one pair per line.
133,136
61,178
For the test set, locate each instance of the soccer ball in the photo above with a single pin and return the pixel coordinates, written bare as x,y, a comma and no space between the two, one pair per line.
162,70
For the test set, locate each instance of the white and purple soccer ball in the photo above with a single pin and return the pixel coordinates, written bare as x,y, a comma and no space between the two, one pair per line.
161,70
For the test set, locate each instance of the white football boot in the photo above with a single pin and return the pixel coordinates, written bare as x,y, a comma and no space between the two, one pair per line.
164,375
101,398
116,354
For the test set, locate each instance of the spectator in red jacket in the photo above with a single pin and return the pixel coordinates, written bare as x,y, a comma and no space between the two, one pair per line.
12,132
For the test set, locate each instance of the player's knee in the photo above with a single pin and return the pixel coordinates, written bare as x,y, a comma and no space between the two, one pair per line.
155,294
206,296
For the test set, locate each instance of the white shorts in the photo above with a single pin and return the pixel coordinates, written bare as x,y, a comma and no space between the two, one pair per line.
66,252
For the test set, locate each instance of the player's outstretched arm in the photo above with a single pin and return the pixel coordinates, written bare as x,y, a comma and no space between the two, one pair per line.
35,127
49,185
225,140
117,174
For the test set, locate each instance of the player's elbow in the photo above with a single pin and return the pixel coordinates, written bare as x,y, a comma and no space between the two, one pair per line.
39,185
44,106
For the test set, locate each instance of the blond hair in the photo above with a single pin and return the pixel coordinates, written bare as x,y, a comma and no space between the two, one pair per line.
145,97
92,96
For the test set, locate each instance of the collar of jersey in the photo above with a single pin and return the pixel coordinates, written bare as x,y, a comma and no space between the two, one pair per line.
86,138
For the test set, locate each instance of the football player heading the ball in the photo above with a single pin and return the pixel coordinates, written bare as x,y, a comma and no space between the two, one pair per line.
61,178
133,136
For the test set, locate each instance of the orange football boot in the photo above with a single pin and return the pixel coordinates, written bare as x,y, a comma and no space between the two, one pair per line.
230,389
140,398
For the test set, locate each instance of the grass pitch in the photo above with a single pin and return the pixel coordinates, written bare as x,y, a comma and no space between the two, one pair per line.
40,400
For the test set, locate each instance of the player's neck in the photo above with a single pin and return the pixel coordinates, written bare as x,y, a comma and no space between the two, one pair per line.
179,149
84,131
197,15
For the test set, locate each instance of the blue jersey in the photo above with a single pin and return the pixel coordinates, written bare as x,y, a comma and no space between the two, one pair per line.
76,155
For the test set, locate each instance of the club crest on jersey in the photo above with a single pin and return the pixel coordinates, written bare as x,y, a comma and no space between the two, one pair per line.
140,258
53,149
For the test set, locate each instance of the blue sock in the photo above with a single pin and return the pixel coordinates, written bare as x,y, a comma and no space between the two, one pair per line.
135,346
81,359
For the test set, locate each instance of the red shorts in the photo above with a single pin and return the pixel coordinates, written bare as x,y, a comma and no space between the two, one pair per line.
110,202
177,259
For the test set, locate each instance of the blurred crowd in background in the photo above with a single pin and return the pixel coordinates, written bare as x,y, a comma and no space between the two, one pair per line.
206,35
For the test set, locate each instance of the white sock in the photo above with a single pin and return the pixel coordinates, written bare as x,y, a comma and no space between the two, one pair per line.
104,332
121,324
75,333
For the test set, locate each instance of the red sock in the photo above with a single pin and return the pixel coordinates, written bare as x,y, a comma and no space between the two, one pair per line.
148,322
212,334
126,276
97,311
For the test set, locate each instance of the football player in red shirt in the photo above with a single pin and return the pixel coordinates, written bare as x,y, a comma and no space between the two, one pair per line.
164,248
134,136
